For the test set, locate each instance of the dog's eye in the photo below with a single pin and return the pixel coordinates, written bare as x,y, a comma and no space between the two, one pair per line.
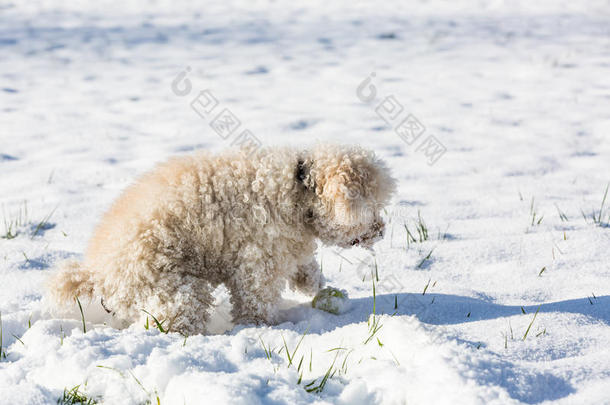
300,175
309,214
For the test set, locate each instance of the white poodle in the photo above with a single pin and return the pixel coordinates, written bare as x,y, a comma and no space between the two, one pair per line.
249,221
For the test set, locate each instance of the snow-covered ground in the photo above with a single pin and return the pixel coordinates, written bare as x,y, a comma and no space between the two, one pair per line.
507,301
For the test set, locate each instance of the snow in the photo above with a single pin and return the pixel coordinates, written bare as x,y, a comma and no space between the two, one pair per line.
516,92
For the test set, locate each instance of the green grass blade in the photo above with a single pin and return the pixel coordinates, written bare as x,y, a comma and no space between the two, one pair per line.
531,323
82,315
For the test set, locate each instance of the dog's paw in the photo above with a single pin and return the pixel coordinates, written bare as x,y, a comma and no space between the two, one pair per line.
315,285
309,280
331,300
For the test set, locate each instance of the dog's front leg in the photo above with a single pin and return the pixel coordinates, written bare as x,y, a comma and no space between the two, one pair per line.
256,290
308,279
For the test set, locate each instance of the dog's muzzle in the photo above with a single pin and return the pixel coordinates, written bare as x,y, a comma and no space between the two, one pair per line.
105,307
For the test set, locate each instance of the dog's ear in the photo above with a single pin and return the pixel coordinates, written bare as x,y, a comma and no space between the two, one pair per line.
351,182
344,191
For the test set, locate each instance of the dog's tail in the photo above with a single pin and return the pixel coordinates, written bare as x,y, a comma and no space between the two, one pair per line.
72,280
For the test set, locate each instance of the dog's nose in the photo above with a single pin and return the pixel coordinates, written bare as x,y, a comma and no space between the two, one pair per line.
380,226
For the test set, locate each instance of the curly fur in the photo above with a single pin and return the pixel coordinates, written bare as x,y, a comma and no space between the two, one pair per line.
248,221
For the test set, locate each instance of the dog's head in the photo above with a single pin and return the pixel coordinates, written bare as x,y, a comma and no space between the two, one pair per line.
346,188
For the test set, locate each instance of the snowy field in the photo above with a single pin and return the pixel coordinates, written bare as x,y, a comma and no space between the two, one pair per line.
505,300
